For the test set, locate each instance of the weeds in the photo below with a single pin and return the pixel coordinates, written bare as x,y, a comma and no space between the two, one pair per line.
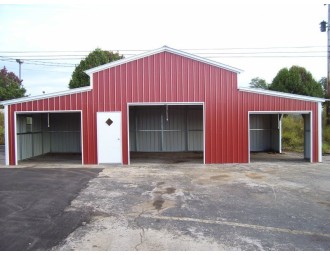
293,134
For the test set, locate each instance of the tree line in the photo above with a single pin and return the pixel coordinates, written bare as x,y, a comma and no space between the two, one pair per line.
295,80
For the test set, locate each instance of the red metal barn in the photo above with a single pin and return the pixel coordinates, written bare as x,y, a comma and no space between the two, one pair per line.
164,100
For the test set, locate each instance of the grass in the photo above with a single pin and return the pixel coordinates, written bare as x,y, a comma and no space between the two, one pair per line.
325,134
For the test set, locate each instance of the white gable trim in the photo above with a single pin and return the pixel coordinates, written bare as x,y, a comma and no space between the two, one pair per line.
156,51
45,96
281,94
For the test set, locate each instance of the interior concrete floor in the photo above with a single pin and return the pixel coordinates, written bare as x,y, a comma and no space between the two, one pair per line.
51,158
197,157
166,157
285,156
162,158
156,157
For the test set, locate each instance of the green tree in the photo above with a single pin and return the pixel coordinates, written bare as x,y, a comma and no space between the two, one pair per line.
10,85
258,83
324,84
96,58
296,80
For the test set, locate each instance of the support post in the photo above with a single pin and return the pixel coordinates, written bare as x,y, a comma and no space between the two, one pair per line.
328,76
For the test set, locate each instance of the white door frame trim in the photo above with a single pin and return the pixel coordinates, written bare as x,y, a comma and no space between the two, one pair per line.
283,112
160,104
64,111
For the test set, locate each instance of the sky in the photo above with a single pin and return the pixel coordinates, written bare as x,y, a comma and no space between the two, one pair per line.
260,37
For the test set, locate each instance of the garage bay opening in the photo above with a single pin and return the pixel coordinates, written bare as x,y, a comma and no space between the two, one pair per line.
280,137
166,134
49,137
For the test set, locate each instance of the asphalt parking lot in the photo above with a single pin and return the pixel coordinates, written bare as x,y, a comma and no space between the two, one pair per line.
33,202
257,206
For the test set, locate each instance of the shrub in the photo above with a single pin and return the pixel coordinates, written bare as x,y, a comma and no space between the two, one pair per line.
326,139
293,133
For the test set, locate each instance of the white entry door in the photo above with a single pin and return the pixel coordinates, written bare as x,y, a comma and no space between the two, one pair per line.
109,142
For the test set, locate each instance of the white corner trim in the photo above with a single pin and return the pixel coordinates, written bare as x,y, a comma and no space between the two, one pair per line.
249,146
319,123
290,112
311,136
159,50
281,94
280,132
15,135
6,118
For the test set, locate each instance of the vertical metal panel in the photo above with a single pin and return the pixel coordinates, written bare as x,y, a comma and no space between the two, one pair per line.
148,127
195,130
62,136
29,140
166,77
264,132
260,132
174,135
37,144
283,104
46,143
64,132
155,129
65,142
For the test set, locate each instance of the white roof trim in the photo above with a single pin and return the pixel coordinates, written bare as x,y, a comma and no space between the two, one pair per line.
162,49
44,96
281,94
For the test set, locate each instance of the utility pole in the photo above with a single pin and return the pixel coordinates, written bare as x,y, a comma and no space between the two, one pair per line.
20,62
325,27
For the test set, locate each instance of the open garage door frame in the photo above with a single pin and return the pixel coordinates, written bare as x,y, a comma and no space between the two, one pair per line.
163,104
307,128
45,112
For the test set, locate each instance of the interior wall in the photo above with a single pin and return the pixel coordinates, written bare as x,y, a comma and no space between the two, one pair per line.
166,128
264,132
64,132
58,133
29,137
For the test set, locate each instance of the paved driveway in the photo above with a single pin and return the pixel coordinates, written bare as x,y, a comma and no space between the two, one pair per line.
33,202
258,206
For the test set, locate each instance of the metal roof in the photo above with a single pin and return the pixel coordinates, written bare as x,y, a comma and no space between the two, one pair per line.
281,94
153,52
159,50
44,96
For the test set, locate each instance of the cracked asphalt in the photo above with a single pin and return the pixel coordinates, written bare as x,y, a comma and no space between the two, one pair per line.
257,206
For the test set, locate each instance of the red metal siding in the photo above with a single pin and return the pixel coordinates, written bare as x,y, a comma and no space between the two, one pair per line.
166,77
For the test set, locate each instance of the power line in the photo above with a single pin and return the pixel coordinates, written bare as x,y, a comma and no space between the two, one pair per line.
305,56
135,50
32,62
47,70
52,58
75,57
